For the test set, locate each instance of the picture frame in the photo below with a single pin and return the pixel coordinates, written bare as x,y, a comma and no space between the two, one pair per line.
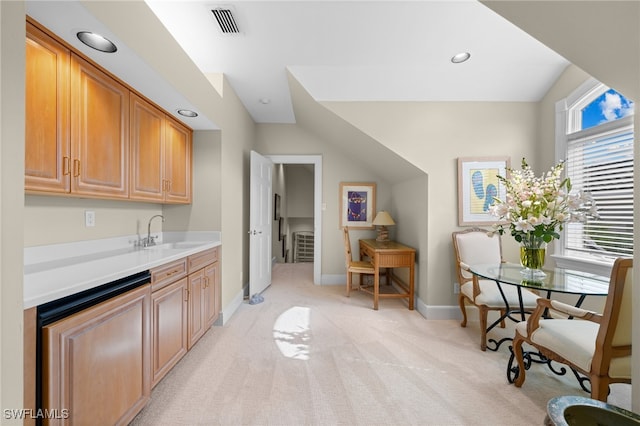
284,245
478,184
280,228
276,207
357,204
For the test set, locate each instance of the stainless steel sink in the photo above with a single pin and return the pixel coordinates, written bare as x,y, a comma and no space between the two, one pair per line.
177,245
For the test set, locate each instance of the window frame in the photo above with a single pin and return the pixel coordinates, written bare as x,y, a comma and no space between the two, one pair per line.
569,120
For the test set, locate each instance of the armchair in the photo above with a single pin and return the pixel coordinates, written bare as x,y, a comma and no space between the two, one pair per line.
597,345
476,245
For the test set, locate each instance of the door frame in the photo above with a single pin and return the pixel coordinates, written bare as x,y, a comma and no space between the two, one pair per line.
316,160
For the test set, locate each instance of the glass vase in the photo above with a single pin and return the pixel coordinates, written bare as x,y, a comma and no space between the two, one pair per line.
532,253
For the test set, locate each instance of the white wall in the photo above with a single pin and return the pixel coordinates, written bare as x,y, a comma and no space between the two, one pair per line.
432,135
299,190
12,89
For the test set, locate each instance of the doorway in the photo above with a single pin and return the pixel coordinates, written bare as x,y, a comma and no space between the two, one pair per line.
316,162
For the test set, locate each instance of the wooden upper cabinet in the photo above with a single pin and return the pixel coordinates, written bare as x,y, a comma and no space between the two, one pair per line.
99,132
47,156
147,159
177,162
160,155
88,134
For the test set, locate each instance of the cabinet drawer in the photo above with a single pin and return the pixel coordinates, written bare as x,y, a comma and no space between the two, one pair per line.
166,274
199,260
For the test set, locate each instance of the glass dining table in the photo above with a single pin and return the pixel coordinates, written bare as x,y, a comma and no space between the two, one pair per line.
557,280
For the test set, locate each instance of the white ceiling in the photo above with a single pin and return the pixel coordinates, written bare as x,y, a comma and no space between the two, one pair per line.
337,50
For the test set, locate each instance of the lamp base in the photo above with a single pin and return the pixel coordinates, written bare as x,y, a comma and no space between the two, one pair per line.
383,234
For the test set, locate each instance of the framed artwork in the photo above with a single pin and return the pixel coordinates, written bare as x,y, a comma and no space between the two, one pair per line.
280,228
284,245
276,207
478,184
357,205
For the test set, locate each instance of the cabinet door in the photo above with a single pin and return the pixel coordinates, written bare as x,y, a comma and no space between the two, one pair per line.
211,295
168,328
99,132
196,312
47,154
96,362
147,159
177,162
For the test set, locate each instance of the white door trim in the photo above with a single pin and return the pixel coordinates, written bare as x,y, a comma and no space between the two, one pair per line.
316,160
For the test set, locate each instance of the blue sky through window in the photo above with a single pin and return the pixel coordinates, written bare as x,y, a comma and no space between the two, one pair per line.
609,106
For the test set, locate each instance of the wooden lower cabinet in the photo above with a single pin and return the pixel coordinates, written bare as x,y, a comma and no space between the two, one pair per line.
196,307
204,293
96,363
212,293
169,328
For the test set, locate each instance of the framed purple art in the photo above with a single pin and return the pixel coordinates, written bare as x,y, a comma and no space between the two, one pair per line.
357,204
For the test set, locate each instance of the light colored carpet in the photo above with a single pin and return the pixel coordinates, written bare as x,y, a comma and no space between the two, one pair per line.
308,355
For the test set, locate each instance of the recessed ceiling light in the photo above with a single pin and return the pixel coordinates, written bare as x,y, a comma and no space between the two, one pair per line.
187,113
461,57
96,41
265,101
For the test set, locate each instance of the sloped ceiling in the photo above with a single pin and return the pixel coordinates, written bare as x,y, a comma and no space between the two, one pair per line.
318,120
590,34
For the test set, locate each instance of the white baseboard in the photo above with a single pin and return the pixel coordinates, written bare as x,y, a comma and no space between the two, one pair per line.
230,309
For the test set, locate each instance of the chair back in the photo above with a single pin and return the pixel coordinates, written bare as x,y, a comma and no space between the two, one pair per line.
614,337
475,245
347,247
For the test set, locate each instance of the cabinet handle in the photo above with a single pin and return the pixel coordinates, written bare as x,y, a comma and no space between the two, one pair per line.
168,185
172,272
76,168
186,294
66,165
164,185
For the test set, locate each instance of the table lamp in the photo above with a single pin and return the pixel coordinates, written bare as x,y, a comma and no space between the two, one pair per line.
382,220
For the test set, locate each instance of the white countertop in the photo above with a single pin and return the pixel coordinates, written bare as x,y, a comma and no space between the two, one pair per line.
59,270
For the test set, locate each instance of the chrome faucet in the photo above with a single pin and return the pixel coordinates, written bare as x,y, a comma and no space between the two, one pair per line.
150,241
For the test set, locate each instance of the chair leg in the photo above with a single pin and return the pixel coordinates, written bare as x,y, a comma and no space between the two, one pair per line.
502,312
463,308
348,283
599,388
483,327
518,340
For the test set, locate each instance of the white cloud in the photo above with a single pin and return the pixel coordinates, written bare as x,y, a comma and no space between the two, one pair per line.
613,107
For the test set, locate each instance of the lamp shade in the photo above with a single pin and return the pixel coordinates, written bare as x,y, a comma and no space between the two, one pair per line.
383,219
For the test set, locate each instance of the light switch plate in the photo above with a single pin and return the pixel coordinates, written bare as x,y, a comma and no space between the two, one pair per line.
89,218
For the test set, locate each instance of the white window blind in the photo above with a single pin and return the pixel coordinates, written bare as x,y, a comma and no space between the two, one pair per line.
600,161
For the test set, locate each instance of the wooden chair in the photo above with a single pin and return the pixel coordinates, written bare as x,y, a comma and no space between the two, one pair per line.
354,266
597,345
476,245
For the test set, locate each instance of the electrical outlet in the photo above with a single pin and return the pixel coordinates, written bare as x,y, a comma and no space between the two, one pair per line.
89,218
456,288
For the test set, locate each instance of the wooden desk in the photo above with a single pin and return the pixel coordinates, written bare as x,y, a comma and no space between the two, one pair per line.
390,254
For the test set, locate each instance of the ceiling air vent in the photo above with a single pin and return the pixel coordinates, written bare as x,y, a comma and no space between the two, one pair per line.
226,21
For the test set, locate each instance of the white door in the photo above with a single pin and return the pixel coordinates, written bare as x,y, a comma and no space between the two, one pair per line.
260,224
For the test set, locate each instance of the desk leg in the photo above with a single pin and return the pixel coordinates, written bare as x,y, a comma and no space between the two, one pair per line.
411,284
376,286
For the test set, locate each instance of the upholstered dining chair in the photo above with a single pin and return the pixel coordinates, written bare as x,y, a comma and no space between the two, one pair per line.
596,345
476,245
354,266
